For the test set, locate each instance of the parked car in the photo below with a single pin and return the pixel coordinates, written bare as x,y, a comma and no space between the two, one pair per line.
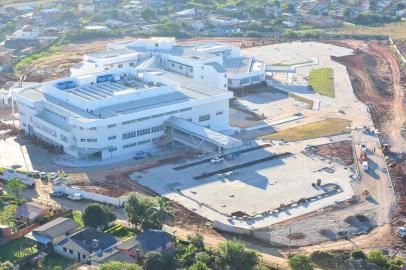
229,156
53,175
33,174
365,166
363,147
16,166
75,197
216,160
401,232
56,193
43,175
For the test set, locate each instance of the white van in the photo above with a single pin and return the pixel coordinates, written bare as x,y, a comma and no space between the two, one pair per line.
365,166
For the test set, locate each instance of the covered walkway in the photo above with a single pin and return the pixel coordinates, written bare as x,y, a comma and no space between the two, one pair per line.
197,136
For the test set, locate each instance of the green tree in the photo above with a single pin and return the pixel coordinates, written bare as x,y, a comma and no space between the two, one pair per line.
139,212
161,212
6,266
377,257
237,256
15,186
95,215
300,262
58,267
203,257
199,266
358,255
154,261
119,266
148,14
196,240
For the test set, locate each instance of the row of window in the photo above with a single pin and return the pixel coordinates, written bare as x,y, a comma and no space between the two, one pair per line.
130,64
142,132
45,129
203,118
135,144
92,140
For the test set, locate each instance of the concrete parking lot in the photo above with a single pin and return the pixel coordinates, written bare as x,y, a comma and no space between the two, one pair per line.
251,190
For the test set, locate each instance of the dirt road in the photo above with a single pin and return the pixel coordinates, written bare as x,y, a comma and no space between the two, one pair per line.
376,78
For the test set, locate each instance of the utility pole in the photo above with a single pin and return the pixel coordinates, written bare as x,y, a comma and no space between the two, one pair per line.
290,237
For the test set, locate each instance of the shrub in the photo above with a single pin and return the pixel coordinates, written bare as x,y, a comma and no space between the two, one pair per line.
300,262
377,257
358,255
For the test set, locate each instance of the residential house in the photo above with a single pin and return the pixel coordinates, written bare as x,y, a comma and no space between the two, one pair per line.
47,234
31,212
80,245
6,57
86,6
134,248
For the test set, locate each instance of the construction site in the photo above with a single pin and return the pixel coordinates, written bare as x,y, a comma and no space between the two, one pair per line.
317,172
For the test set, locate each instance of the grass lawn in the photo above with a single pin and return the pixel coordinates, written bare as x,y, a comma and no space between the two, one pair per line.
321,80
120,231
51,261
17,249
395,30
326,127
77,216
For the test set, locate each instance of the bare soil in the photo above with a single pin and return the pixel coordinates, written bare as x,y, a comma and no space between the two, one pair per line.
340,152
378,81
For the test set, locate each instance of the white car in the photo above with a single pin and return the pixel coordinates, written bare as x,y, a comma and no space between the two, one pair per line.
401,232
53,175
75,197
363,147
43,175
216,160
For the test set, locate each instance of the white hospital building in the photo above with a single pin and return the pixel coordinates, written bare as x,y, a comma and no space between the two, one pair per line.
137,96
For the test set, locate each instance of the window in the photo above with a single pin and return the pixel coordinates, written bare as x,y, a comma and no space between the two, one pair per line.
143,119
129,135
83,256
244,81
172,112
157,128
204,118
202,77
91,140
143,142
181,67
129,145
225,75
185,109
129,122
172,64
82,140
64,249
70,251
113,149
93,128
112,138
143,132
120,65
63,138
219,113
131,64
225,85
106,68
111,126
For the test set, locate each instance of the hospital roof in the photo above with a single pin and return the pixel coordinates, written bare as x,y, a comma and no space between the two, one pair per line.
112,53
243,65
188,90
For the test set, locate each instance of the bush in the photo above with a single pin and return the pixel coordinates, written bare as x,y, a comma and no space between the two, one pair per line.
300,262
377,257
358,255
